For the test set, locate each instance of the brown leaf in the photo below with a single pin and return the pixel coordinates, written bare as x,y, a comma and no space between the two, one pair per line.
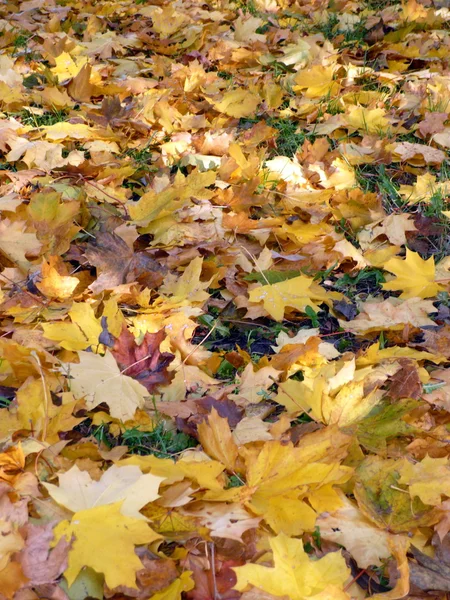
419,154
15,512
433,123
443,527
12,579
79,87
157,574
440,396
429,574
40,564
117,264
406,383
438,341
143,362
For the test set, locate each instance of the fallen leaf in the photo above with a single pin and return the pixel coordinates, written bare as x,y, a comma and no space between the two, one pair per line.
144,362
40,564
391,314
98,379
406,382
297,293
97,533
117,264
253,384
55,284
414,276
428,479
16,244
288,575
348,527
77,491
418,154
215,436
238,103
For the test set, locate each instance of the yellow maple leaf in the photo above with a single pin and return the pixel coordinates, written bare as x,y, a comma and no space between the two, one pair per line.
71,131
215,436
414,276
418,155
203,472
279,480
245,29
153,205
367,120
428,479
184,583
67,67
298,292
329,396
318,81
294,575
350,404
413,11
16,243
10,541
302,396
303,233
374,355
391,314
394,227
98,379
188,286
12,463
54,284
36,411
82,333
425,187
349,527
167,20
78,491
96,535
52,96
238,103
253,383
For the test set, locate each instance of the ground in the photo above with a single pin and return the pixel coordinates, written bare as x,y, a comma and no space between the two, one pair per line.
225,310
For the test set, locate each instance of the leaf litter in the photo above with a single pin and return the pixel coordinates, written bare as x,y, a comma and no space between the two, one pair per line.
225,312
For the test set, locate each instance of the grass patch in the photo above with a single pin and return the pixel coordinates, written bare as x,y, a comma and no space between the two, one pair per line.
49,117
5,401
367,281
247,7
443,173
161,442
331,29
20,46
289,137
234,481
21,40
142,157
375,178
434,227
380,4
225,75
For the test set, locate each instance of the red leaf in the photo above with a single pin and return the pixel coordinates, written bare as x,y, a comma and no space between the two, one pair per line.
143,362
